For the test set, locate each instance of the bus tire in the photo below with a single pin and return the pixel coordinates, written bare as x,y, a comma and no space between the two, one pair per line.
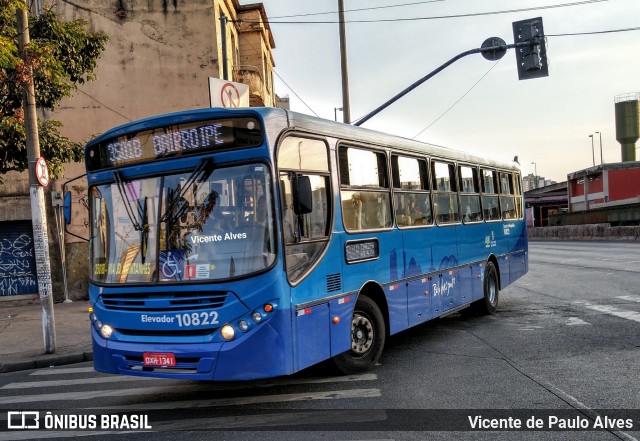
491,287
367,338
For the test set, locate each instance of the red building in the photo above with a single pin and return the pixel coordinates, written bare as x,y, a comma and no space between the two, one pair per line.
605,193
603,186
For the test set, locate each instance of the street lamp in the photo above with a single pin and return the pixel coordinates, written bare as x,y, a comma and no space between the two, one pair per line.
335,112
601,160
593,152
535,175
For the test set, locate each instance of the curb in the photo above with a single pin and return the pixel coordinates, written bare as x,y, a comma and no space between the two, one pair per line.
44,362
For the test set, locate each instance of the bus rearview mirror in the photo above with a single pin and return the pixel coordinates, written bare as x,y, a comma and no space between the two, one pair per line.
67,207
302,198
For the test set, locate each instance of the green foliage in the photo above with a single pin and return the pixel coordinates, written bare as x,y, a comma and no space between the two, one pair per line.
61,55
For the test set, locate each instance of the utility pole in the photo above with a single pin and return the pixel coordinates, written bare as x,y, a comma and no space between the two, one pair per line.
223,37
38,209
346,107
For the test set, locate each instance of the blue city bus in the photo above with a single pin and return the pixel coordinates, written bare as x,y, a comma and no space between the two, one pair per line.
238,244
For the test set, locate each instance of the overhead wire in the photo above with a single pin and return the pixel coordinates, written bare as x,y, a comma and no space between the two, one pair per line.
472,14
357,10
280,77
610,31
457,101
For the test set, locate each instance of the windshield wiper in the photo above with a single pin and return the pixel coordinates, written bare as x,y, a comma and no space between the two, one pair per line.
144,231
200,174
127,203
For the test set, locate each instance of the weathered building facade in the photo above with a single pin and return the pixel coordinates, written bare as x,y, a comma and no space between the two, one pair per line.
158,59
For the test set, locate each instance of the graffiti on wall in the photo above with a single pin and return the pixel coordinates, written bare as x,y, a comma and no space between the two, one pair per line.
17,266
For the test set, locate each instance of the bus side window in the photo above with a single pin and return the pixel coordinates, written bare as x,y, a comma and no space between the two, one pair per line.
411,191
490,200
506,196
469,194
518,193
446,206
365,195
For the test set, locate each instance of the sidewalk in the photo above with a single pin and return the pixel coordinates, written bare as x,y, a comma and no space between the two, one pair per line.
22,341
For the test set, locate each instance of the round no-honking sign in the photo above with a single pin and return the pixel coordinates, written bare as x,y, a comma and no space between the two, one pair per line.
42,172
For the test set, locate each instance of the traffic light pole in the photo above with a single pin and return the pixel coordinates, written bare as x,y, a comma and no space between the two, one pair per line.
498,50
38,209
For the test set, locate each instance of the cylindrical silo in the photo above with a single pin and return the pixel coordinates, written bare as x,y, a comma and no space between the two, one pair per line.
627,124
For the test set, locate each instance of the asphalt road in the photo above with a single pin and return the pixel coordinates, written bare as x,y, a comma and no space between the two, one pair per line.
565,342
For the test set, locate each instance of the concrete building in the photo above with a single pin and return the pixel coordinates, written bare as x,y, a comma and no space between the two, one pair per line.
158,60
532,182
543,202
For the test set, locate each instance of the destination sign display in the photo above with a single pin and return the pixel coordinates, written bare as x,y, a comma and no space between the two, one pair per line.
174,140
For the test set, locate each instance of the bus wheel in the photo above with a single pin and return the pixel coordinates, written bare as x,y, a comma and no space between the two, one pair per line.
367,338
489,304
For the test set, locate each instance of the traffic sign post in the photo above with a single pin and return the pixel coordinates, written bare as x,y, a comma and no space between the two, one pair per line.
531,58
38,173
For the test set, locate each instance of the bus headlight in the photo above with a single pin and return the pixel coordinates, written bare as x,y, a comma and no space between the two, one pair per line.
106,331
243,325
257,317
227,332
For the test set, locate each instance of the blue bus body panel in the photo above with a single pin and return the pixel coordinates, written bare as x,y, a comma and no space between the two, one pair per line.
264,351
260,353
423,272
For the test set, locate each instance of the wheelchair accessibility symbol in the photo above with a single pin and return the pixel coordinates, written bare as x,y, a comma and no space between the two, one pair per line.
172,264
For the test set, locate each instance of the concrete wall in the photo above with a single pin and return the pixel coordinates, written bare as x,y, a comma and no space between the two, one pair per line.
158,59
15,205
585,232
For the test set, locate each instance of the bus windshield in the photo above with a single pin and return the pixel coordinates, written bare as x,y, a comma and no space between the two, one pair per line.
205,225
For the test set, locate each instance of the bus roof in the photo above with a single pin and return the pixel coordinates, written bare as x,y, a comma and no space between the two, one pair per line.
306,123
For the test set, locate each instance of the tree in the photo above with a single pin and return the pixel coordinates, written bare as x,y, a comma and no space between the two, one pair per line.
61,56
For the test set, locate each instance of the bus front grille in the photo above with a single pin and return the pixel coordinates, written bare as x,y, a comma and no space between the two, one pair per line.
161,302
170,333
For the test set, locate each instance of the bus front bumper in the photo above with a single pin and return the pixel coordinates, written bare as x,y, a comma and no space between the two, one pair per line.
261,353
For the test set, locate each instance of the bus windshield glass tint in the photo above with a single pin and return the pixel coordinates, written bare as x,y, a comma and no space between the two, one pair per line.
183,227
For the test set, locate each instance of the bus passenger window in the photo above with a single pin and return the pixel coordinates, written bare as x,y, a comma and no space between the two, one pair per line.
506,196
446,206
469,194
411,191
490,199
365,197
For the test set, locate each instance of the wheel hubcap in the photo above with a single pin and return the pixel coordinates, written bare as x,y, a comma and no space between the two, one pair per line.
361,334
492,290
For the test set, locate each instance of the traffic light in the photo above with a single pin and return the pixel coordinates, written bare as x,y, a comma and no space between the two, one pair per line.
531,52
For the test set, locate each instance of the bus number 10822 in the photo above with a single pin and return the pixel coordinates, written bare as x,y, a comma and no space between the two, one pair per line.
197,319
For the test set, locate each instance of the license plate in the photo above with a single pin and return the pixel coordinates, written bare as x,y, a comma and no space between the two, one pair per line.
159,359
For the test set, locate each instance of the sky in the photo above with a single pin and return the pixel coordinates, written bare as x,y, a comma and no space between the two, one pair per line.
474,105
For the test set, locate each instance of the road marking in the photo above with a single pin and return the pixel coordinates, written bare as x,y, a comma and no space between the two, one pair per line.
175,387
630,298
166,391
576,404
254,399
78,381
275,420
64,371
575,321
622,313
